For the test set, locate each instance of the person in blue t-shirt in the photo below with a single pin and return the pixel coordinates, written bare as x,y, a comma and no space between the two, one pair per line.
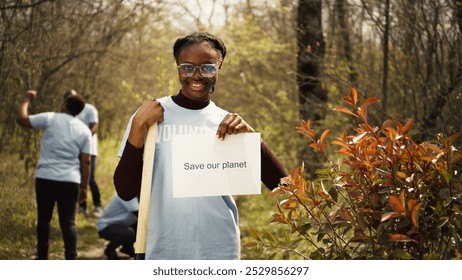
89,116
62,171
118,225
196,228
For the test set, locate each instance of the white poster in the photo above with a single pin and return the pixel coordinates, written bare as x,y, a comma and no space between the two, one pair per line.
206,166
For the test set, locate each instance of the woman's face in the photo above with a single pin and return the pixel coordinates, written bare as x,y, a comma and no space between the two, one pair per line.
198,87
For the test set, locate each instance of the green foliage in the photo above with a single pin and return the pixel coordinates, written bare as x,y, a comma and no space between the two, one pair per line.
386,197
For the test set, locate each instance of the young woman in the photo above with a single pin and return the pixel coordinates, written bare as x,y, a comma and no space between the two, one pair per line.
198,227
62,171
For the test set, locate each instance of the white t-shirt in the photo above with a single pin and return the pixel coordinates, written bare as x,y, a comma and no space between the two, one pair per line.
64,138
187,228
89,115
118,211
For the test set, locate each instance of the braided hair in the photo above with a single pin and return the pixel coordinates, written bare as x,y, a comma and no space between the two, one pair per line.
197,38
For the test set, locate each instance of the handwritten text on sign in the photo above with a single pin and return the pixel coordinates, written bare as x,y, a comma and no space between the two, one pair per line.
206,166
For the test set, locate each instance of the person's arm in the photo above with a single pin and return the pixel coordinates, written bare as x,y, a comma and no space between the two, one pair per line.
93,128
129,170
272,170
23,113
128,173
85,173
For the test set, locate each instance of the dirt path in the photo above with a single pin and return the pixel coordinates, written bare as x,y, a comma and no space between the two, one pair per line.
97,253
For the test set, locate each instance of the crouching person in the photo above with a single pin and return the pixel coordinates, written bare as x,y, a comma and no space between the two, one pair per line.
118,225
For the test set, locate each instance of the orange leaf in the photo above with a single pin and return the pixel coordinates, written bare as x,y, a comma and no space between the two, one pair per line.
323,136
344,110
354,95
339,143
411,204
395,204
401,199
315,146
369,101
389,215
345,214
400,238
415,214
277,191
348,100
406,127
453,138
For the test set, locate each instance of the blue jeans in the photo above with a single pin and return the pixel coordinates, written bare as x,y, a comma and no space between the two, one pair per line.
65,194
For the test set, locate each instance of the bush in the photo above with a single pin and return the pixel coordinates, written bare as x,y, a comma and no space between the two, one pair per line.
386,197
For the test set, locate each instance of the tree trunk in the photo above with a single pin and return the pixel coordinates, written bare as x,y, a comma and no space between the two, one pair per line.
312,95
347,50
386,35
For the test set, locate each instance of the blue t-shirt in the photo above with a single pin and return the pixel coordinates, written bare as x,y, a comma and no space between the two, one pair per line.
190,227
64,139
89,115
118,211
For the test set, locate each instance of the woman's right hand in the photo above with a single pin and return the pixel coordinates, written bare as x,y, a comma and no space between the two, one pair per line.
149,113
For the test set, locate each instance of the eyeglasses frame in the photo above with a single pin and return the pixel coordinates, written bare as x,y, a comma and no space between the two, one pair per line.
217,68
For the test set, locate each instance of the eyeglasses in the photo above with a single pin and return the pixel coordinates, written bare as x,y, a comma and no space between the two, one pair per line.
206,70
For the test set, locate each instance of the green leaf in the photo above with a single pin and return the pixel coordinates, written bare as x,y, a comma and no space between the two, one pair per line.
403,254
444,193
271,257
254,233
443,221
287,236
250,244
268,236
432,256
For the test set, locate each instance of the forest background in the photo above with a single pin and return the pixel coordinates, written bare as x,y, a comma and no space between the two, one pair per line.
287,61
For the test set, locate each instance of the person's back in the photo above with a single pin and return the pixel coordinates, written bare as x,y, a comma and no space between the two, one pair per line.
63,139
63,169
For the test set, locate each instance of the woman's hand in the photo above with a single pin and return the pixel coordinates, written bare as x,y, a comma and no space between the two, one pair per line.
233,124
149,113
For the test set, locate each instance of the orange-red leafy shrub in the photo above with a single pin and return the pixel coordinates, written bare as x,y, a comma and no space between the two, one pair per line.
386,197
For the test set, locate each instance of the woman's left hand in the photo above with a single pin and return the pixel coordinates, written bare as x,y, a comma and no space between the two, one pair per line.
233,124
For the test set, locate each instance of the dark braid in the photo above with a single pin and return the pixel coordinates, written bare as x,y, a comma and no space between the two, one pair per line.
197,38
